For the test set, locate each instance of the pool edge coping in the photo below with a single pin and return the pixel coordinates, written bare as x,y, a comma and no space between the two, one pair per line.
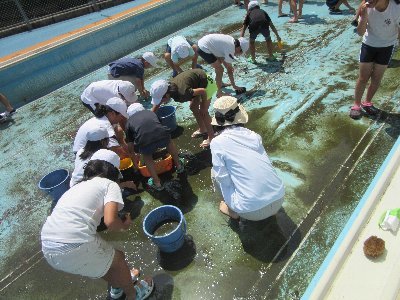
61,39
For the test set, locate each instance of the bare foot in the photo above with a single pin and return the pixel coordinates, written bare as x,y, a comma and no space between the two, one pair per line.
227,211
135,273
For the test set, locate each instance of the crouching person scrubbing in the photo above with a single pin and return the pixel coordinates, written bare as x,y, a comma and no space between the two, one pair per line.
242,173
69,239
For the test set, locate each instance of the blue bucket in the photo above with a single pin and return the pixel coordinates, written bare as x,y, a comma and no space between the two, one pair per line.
171,241
167,117
55,183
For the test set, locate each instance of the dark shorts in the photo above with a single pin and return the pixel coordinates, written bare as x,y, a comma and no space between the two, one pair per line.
168,48
150,149
331,3
263,30
378,55
208,57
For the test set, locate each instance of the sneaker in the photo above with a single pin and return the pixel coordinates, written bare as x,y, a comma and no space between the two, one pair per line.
152,185
8,114
116,293
181,169
369,108
355,112
250,60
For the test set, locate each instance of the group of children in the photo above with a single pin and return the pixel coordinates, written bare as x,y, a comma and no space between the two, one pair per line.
122,128
244,179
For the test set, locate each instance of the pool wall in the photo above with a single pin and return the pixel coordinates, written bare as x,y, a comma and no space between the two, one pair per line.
56,65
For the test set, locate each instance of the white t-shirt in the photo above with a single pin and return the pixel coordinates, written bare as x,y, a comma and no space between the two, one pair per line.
80,138
382,27
247,179
220,45
80,164
176,41
100,92
79,211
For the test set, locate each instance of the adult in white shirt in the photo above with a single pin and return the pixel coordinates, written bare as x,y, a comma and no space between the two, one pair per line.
379,26
110,116
99,92
242,172
70,242
220,50
179,48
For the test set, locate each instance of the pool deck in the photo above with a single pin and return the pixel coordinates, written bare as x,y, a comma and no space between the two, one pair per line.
346,272
23,45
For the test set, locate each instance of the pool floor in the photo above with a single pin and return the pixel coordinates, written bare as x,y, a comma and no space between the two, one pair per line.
298,104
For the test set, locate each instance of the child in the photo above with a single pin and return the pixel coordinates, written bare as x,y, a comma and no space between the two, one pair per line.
335,4
219,50
132,70
179,48
70,242
378,25
192,86
258,22
145,135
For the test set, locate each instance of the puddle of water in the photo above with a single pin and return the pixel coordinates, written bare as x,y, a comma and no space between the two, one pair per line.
165,227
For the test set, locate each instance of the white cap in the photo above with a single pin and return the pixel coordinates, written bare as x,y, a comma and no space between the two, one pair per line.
118,105
252,4
244,43
128,91
157,91
108,156
150,58
96,132
182,50
134,108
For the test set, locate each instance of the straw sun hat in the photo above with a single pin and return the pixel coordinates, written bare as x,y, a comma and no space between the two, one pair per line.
228,112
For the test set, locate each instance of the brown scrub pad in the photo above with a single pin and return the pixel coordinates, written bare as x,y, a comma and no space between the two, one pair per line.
374,246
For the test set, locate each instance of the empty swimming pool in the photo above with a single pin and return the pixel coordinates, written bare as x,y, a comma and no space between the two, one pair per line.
299,105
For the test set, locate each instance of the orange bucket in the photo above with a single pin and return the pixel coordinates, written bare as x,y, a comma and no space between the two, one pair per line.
125,163
162,166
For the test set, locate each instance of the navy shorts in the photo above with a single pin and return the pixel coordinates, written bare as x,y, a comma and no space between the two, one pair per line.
263,30
153,147
168,48
208,57
331,3
378,55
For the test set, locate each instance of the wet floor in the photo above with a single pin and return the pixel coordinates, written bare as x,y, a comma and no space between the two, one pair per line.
298,104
